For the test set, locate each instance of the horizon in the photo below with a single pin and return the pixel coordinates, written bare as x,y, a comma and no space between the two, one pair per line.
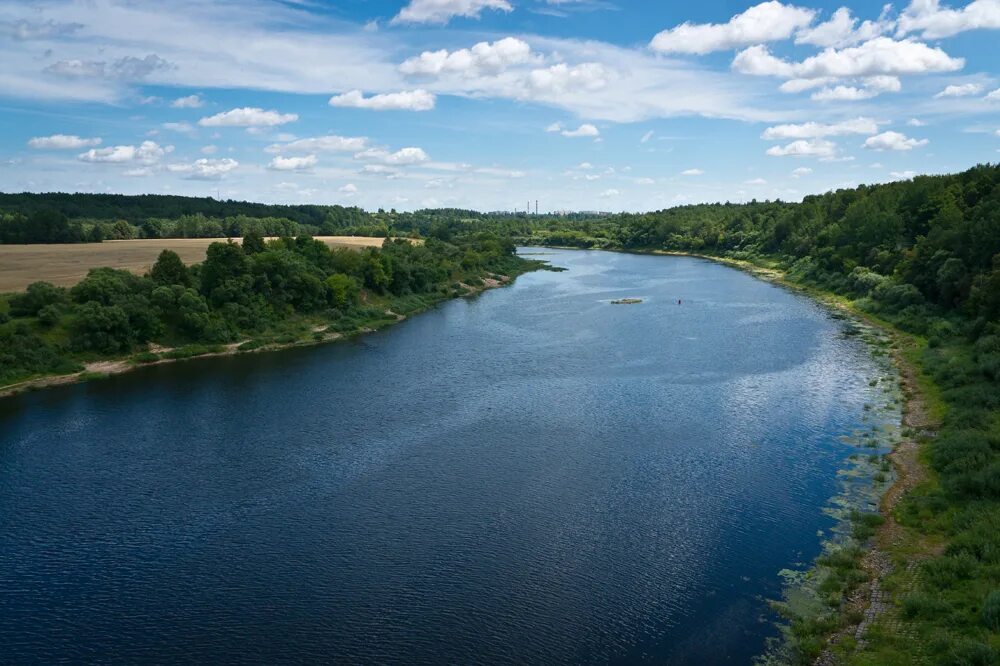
583,105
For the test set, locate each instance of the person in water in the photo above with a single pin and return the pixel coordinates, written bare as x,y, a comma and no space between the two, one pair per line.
678,301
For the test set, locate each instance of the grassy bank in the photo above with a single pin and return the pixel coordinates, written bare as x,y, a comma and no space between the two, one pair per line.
921,578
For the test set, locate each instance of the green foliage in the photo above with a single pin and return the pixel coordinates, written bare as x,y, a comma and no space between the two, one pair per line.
38,295
169,269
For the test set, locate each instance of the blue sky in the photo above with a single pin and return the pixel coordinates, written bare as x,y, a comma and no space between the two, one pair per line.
581,104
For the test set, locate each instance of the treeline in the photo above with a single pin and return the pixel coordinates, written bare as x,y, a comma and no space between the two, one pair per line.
89,218
257,290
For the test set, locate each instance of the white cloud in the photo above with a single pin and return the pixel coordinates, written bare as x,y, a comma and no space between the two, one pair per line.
349,189
183,128
961,90
327,144
189,102
839,30
554,127
766,22
607,194
127,68
411,100
645,181
915,122
879,56
933,21
820,148
893,141
24,30
442,11
692,172
248,117
871,86
403,156
993,96
482,58
584,165
755,181
902,175
138,172
801,171
148,152
646,137
562,78
585,129
812,130
62,142
204,168
304,163
209,149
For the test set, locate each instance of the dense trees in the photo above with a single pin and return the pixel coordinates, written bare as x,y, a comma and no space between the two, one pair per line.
239,291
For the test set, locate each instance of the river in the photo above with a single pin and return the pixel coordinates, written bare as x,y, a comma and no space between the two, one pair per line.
532,475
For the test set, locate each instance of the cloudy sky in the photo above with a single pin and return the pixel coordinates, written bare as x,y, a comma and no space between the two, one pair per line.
581,104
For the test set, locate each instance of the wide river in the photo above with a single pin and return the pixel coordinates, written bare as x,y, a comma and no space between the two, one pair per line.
533,475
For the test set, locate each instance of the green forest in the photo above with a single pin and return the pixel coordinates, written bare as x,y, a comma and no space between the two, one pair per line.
257,293
921,255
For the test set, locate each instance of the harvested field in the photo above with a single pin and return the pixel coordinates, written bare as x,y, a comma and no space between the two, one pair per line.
65,265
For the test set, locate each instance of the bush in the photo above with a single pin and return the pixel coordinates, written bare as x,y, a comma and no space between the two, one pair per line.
37,296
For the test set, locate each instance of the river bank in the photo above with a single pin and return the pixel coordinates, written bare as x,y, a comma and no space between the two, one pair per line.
890,553
315,332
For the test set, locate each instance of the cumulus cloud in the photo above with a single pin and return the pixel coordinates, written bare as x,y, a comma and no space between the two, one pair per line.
305,163
879,56
148,152
402,157
204,168
961,90
585,129
562,78
412,100
482,58
842,29
893,141
801,171
349,189
189,102
813,130
993,96
248,117
820,148
62,142
183,128
902,175
330,143
609,193
871,86
766,22
915,122
755,181
933,21
692,172
442,11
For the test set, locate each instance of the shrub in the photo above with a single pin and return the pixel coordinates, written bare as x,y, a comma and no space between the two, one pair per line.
991,611
37,296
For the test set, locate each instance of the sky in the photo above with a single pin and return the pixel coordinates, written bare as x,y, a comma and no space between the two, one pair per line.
612,105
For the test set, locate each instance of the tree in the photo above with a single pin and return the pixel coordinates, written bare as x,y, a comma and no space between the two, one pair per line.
169,269
253,243
343,289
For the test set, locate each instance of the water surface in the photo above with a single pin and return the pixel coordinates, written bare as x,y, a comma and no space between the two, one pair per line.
533,475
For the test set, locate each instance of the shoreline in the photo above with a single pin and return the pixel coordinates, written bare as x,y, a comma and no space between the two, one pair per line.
104,368
917,425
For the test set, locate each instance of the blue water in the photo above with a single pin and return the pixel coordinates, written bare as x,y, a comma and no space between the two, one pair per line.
532,475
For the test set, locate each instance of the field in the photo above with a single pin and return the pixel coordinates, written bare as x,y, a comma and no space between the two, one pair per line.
65,265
